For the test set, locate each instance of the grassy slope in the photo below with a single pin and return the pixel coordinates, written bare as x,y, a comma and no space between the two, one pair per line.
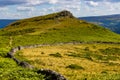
9,70
48,29
77,62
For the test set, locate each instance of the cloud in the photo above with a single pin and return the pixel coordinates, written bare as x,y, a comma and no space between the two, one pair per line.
12,2
3,9
41,7
22,8
104,0
92,3
53,1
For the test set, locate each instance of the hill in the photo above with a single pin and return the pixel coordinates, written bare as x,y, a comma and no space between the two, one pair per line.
75,48
5,22
111,22
56,28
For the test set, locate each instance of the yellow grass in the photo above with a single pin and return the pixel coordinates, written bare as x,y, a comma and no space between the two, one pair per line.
40,58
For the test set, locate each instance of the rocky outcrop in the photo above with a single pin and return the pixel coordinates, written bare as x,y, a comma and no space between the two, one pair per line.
65,13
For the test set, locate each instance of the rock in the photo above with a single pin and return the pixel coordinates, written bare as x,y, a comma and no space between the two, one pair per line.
26,65
52,75
16,60
65,13
10,55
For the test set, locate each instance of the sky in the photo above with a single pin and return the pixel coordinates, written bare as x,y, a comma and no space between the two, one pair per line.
20,9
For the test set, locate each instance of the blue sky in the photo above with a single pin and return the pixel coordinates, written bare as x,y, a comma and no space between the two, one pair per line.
18,9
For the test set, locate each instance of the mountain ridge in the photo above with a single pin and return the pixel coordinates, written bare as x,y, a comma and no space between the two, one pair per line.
111,22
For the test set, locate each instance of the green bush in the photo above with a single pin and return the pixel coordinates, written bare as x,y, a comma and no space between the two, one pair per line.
73,54
75,66
56,55
87,55
110,51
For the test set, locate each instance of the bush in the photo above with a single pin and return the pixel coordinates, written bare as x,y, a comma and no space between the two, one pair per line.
73,54
110,51
87,55
75,66
56,55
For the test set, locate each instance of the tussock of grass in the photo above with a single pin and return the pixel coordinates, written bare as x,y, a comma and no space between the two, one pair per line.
75,66
56,55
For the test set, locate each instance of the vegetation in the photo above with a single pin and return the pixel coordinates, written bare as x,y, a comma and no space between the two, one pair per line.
78,61
75,66
51,29
9,70
56,55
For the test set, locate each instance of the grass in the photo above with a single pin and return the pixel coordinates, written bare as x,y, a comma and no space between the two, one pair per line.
94,58
77,62
9,70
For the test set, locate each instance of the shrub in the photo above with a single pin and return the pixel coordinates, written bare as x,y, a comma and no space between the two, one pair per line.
73,54
75,66
56,55
87,55
86,49
110,51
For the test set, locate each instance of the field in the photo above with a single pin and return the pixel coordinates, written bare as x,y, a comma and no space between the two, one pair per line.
78,61
9,70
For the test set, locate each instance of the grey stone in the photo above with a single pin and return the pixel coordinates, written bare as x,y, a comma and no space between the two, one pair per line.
51,74
26,65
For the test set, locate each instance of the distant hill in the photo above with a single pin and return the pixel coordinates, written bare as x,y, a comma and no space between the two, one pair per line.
55,28
5,22
111,22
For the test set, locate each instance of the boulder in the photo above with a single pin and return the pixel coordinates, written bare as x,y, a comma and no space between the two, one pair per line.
26,65
52,75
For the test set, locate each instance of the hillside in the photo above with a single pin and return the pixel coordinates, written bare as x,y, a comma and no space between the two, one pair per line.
111,22
74,48
55,28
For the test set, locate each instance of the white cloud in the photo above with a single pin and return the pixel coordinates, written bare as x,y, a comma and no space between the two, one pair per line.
3,8
23,8
53,1
92,3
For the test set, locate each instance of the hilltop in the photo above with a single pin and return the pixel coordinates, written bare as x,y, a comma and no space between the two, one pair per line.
54,28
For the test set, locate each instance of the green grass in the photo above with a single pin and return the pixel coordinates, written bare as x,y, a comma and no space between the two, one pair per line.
9,70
